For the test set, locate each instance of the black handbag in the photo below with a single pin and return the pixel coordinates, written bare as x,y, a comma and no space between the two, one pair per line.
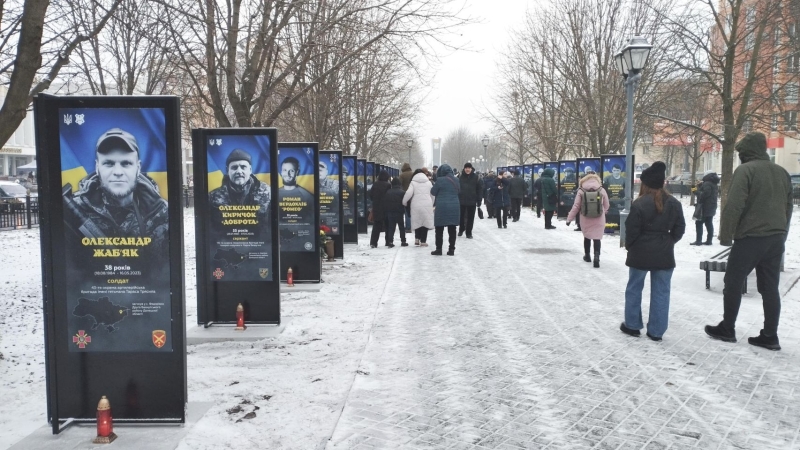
480,213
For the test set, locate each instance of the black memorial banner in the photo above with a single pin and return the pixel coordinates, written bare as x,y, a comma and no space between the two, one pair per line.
370,181
614,177
361,194
298,211
349,225
236,228
567,186
586,165
331,184
112,256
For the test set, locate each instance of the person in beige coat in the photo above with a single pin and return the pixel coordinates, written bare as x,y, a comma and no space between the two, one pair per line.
419,197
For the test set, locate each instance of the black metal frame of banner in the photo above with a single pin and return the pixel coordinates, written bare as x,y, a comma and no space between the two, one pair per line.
306,265
616,205
76,380
338,238
361,195
350,230
217,298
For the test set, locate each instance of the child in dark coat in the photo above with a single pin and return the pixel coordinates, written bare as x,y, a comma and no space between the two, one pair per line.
394,210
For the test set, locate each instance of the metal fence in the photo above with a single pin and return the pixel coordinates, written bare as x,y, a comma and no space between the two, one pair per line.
19,215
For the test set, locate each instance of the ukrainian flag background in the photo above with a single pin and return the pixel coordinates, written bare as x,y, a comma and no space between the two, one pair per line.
308,167
218,147
79,140
331,160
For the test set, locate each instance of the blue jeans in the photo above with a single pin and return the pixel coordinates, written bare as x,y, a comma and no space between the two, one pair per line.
659,300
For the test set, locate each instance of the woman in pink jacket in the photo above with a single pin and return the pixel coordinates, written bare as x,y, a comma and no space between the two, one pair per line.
592,204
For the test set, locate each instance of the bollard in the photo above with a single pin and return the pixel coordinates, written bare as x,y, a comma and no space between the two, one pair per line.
28,208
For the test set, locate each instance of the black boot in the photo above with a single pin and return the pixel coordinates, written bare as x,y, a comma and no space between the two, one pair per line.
587,258
437,252
708,242
698,242
451,251
596,259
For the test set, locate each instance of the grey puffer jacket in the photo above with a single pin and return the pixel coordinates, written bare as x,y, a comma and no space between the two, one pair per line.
447,206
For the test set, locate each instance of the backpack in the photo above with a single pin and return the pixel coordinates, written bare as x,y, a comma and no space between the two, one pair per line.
592,204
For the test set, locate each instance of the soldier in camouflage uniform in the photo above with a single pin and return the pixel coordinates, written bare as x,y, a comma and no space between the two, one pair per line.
118,200
325,183
241,187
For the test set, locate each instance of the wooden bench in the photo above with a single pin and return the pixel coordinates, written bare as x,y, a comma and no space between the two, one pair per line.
718,263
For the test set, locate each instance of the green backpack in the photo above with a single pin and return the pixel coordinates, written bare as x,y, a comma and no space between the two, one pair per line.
592,204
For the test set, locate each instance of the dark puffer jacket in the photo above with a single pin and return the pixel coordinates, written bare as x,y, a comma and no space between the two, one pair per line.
405,175
516,187
498,193
393,199
447,207
650,237
377,193
549,190
471,189
707,194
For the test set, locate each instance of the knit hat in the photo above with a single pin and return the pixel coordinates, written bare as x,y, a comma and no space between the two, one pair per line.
238,155
468,165
655,175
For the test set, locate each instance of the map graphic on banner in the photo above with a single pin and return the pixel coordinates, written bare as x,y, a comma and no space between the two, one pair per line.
116,222
239,197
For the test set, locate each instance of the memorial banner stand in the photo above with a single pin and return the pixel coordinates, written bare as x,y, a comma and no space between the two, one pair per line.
331,186
236,226
113,284
349,205
361,195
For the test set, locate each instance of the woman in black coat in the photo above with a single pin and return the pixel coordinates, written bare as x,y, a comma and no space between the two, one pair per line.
652,228
379,189
707,194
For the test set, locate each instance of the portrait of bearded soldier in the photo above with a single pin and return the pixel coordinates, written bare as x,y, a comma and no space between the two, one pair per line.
117,199
241,187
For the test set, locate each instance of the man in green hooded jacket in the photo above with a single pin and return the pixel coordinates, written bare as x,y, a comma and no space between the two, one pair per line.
755,221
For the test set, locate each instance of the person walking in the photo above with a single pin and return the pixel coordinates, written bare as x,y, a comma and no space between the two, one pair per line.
419,197
755,222
394,210
653,227
549,194
707,194
470,195
516,190
537,196
446,214
591,205
405,178
379,189
500,200
488,182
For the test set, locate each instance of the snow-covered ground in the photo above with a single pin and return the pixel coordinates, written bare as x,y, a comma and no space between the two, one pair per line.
289,391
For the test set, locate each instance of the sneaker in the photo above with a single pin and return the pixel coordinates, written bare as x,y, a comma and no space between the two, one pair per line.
404,244
721,333
762,340
654,338
423,244
629,331
696,243
416,242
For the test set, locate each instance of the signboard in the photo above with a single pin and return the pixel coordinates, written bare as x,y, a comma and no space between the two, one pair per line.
501,170
567,186
236,229
330,197
527,175
370,181
112,256
361,194
349,225
614,177
298,210
586,165
536,200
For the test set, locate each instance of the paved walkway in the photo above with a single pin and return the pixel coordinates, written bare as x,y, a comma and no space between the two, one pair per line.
518,350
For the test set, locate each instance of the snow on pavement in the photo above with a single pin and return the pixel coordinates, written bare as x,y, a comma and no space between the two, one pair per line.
506,345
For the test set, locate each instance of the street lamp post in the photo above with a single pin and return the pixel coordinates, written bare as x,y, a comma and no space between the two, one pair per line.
485,141
409,144
630,61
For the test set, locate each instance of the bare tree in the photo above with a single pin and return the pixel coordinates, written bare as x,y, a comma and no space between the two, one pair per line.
35,47
459,146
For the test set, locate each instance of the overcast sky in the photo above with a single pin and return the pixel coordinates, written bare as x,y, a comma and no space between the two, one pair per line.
466,79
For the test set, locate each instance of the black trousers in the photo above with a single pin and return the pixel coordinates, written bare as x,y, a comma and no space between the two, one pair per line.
764,255
516,206
502,215
467,219
377,227
587,244
548,219
451,236
421,233
709,223
395,219
538,208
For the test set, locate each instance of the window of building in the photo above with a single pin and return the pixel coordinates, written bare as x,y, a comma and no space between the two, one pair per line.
777,36
749,41
791,92
791,30
774,123
793,64
790,121
776,65
747,126
747,69
750,16
771,153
